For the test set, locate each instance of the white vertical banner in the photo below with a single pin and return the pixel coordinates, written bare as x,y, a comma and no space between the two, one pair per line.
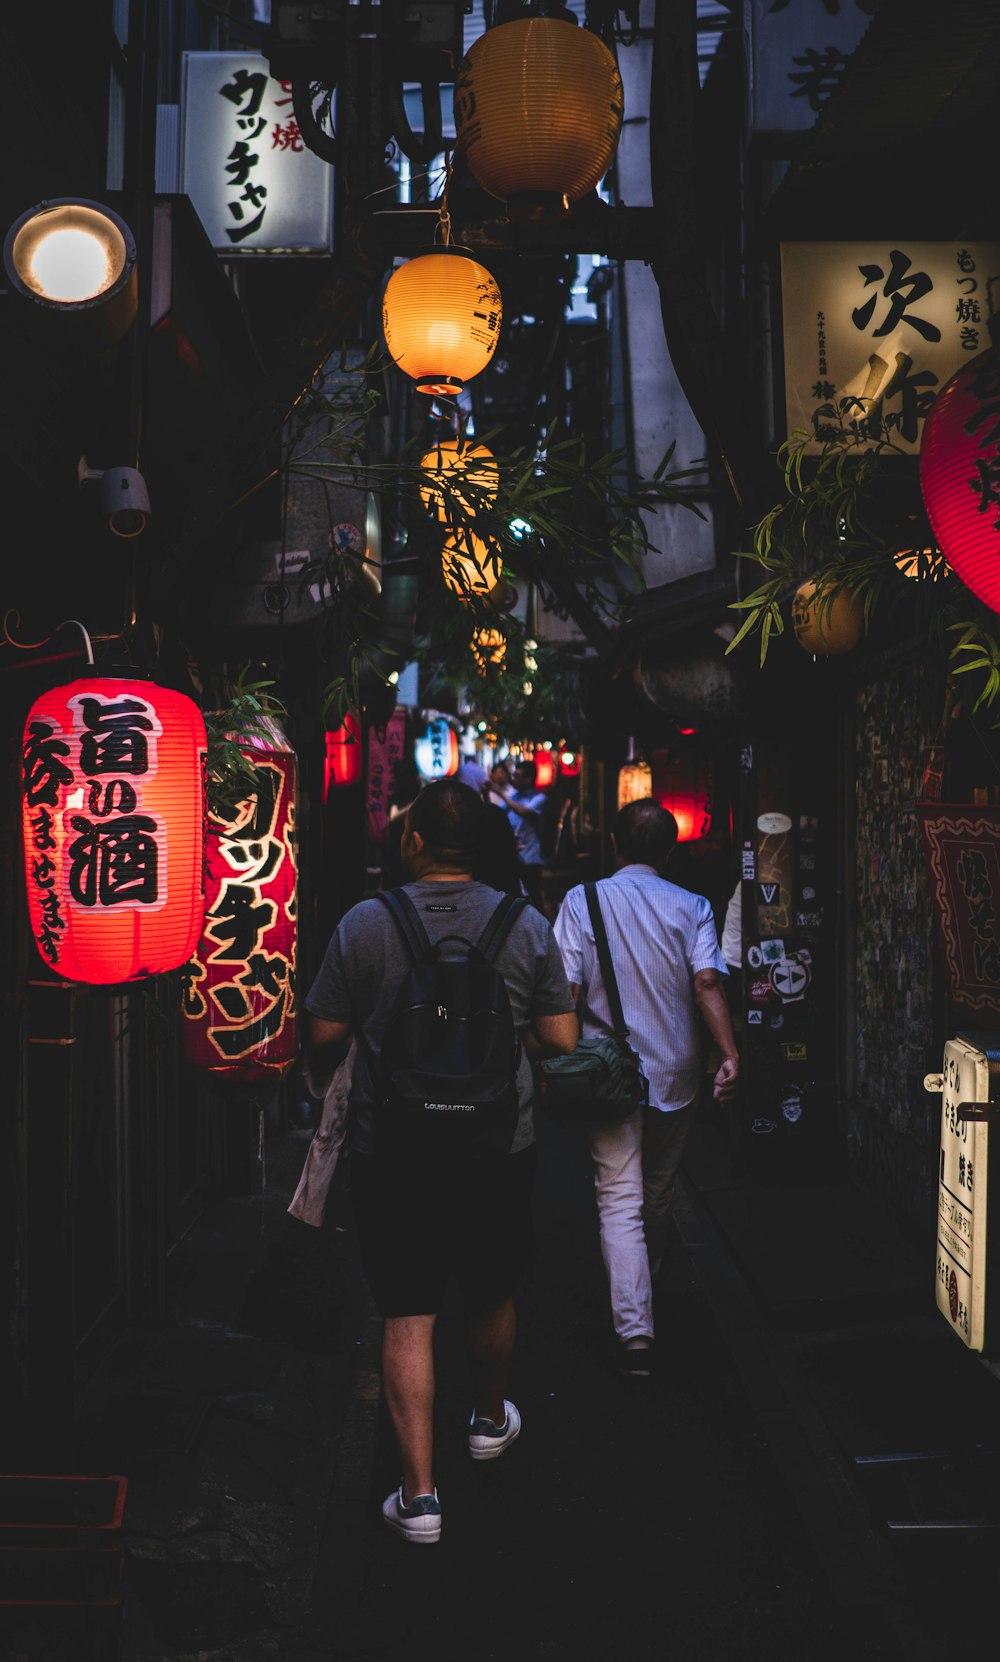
796,52
255,185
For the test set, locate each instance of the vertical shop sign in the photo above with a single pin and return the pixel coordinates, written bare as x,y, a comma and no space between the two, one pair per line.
255,185
797,53
385,752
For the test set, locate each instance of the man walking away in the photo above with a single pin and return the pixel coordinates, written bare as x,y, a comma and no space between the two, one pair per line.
669,970
419,1221
524,807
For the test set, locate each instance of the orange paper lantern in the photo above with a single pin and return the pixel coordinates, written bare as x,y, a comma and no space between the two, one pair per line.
470,565
113,799
538,112
441,318
489,646
458,463
826,621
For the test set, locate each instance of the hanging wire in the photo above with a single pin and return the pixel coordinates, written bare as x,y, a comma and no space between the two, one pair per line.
443,227
12,619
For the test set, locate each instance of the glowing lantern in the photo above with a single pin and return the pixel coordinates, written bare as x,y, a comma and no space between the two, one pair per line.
826,621
569,764
635,783
960,475
923,565
342,765
545,768
489,646
470,565
240,1021
538,112
436,751
682,783
474,463
441,319
75,261
113,802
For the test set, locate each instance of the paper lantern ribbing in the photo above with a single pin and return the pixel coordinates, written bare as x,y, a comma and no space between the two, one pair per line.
826,622
240,1006
342,764
470,565
960,475
538,112
113,802
436,751
635,783
456,464
441,318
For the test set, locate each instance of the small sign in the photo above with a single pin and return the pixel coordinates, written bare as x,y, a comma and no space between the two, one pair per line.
962,1189
773,825
790,980
755,1018
794,1052
755,956
768,893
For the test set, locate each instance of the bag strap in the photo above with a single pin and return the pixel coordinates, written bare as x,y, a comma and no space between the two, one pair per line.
407,920
604,959
499,925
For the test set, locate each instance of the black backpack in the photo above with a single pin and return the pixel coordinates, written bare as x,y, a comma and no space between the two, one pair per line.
450,1052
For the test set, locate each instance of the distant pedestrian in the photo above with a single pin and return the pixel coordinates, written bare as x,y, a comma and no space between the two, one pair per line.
669,969
498,786
471,773
525,804
420,1222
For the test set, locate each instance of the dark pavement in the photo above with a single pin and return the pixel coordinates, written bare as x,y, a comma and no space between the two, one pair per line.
717,1511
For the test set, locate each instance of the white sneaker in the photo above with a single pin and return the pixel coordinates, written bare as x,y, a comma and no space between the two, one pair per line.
420,1522
487,1440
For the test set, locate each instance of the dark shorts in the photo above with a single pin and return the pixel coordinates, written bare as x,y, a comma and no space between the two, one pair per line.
416,1230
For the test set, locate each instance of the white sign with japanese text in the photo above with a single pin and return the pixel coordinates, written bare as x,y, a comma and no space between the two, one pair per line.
961,1235
887,322
255,186
797,50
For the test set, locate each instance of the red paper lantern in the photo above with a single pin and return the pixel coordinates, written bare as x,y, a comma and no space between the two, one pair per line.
545,768
960,474
569,764
240,1008
683,785
113,800
343,754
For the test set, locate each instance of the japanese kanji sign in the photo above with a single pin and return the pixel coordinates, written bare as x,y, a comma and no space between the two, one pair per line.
256,187
962,845
797,53
961,1280
113,798
385,752
887,323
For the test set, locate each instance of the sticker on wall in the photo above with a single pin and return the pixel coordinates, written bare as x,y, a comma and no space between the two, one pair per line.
748,868
768,893
794,1052
809,920
791,1107
808,827
755,956
772,952
790,978
773,825
760,991
755,1018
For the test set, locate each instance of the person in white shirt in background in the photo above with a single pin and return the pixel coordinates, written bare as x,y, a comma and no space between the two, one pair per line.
670,971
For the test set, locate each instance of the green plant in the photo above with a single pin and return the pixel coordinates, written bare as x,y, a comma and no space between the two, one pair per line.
247,713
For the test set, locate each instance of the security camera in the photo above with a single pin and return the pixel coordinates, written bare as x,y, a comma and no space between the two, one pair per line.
123,497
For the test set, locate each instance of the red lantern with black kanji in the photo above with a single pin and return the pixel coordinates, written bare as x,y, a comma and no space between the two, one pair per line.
342,765
960,474
113,803
682,782
240,1004
545,768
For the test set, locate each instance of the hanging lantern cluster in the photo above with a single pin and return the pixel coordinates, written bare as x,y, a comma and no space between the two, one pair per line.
960,474
489,646
635,783
441,317
113,804
826,622
240,1008
682,782
436,751
538,112
342,763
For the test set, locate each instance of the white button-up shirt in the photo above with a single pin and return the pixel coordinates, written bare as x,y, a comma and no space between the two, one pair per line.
660,936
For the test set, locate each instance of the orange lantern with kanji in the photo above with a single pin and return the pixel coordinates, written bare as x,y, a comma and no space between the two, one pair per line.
682,782
342,763
441,317
113,805
240,1003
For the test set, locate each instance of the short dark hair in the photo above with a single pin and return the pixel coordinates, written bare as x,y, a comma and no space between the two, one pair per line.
645,832
451,818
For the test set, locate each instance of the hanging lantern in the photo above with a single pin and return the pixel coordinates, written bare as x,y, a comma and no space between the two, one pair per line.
545,768
538,112
342,765
470,565
960,475
489,646
635,783
441,318
827,622
240,1021
922,565
569,764
682,783
113,800
436,751
472,462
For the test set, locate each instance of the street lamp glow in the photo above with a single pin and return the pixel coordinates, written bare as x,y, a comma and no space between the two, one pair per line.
74,263
70,265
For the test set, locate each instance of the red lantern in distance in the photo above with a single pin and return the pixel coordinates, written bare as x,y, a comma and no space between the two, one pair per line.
240,1008
113,800
683,785
343,754
545,768
569,764
960,474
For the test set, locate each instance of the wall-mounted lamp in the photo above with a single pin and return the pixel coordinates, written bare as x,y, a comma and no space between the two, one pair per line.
123,497
74,262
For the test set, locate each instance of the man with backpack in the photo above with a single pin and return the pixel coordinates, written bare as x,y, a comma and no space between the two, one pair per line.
448,987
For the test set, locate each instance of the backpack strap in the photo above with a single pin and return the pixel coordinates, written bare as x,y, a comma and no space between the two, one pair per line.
608,976
407,920
499,925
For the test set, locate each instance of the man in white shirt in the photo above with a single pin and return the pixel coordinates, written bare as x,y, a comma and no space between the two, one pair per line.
524,804
669,970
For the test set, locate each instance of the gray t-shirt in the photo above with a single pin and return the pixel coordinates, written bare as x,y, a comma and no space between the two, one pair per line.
366,962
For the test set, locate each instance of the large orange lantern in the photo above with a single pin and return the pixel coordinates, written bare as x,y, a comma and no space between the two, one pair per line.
457,464
470,565
538,112
682,783
240,1004
441,319
960,474
826,621
342,764
635,783
113,800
